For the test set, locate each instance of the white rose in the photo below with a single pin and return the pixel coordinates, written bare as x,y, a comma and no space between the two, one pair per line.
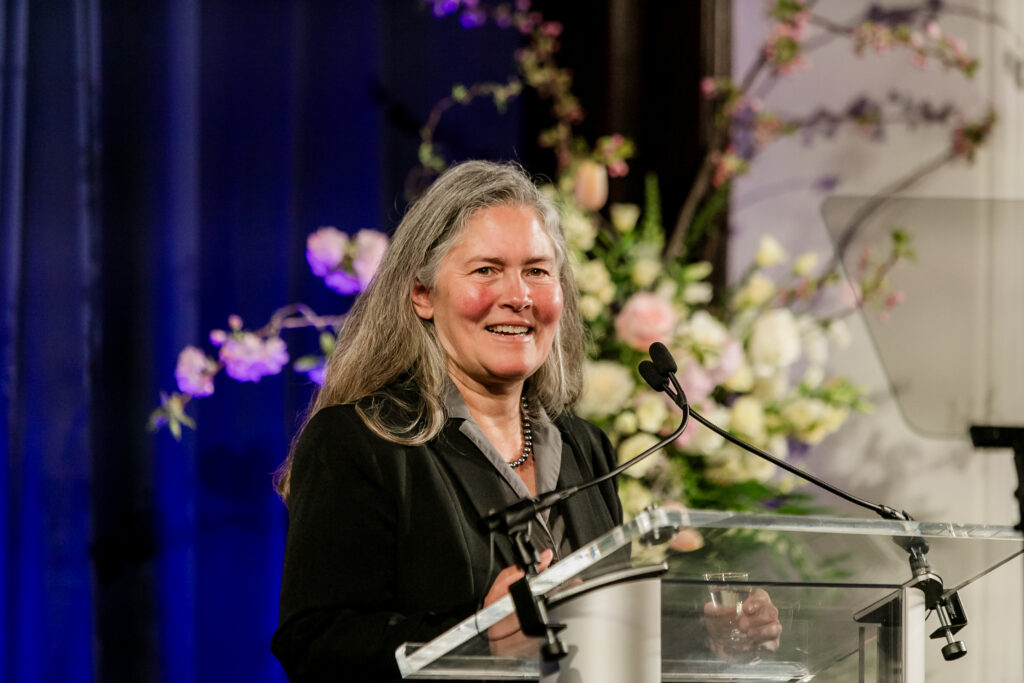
803,266
651,413
742,380
746,417
757,291
645,272
775,342
704,440
634,446
580,231
591,307
770,252
813,376
813,341
592,276
757,468
625,423
806,416
606,294
607,386
771,387
706,332
698,293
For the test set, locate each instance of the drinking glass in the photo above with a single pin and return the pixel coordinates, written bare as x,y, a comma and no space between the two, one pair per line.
728,590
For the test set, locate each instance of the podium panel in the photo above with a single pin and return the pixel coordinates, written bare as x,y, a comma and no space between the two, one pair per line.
824,574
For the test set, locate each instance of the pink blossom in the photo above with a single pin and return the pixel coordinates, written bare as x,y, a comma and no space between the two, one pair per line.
551,28
617,169
195,372
729,361
895,298
645,319
696,382
235,322
325,250
684,439
370,248
218,337
247,358
932,30
708,86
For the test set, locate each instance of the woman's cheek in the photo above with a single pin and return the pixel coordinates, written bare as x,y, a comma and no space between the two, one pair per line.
476,302
548,301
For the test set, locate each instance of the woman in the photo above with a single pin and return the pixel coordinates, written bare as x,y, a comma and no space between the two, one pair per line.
447,396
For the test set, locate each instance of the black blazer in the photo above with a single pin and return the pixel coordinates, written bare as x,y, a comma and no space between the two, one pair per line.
385,544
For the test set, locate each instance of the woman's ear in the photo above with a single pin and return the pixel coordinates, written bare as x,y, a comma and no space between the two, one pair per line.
421,301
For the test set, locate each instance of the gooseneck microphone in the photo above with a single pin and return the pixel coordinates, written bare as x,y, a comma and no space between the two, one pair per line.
659,373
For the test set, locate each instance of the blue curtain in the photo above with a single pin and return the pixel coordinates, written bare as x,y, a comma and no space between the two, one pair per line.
160,166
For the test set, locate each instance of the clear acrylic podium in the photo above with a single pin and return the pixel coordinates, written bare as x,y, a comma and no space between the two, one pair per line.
842,587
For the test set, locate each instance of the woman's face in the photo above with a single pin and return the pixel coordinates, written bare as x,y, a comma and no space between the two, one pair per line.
497,300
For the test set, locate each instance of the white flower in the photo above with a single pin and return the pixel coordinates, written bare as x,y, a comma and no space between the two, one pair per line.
812,419
645,271
812,340
634,446
325,250
624,216
704,440
709,335
592,277
580,231
651,412
607,386
698,293
813,376
590,307
805,263
757,291
771,387
746,418
742,380
839,333
770,252
775,341
625,423
194,372
370,246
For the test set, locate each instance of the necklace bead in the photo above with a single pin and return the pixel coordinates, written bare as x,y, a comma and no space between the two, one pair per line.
527,436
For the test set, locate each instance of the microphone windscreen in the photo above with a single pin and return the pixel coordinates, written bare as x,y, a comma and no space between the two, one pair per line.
651,375
663,360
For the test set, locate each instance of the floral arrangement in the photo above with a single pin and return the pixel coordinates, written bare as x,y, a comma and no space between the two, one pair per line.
753,356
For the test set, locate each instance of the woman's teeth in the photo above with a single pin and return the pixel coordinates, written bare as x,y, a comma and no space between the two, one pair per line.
509,329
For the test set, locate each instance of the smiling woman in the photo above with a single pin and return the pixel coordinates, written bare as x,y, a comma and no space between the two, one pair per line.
447,395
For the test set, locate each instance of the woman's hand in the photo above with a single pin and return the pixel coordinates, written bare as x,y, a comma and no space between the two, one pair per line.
505,637
757,621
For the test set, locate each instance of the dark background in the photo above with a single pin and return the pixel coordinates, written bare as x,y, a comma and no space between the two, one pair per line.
162,164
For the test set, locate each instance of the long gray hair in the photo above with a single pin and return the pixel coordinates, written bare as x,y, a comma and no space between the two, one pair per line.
384,343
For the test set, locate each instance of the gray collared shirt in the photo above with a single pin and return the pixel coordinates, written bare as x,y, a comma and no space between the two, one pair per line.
547,454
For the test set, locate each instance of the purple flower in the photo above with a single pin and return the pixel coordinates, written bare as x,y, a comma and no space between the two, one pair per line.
247,358
325,250
316,374
195,372
343,283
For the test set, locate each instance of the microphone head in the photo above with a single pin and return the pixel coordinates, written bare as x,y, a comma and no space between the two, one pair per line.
651,375
664,363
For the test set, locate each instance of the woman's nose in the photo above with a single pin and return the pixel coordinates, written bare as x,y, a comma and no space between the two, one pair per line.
517,293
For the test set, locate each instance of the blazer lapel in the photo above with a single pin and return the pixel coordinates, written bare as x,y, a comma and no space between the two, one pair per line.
475,476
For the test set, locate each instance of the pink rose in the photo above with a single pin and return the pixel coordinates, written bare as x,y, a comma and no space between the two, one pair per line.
325,249
645,319
591,185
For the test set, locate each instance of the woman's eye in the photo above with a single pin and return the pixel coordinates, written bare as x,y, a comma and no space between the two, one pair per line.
537,272
485,270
